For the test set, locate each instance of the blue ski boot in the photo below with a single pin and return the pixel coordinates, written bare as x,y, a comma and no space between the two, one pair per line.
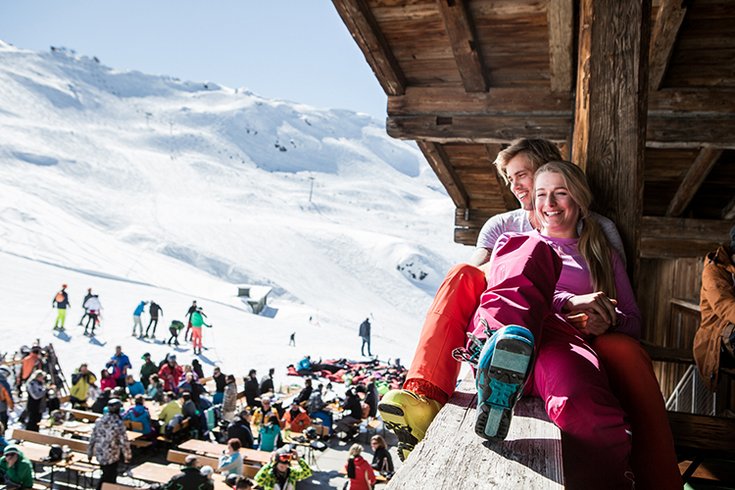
502,370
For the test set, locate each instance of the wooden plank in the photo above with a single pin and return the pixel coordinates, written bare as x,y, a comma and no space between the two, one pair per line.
454,101
367,34
612,71
693,179
668,21
663,237
560,14
439,163
530,457
703,434
478,129
465,47
691,131
692,102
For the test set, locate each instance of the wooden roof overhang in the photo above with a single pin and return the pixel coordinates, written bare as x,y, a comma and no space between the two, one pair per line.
640,94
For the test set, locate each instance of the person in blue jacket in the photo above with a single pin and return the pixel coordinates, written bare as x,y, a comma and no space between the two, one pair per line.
136,318
135,388
139,413
119,364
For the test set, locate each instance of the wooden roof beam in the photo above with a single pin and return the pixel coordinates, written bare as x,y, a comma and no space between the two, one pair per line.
612,70
439,163
693,179
479,129
366,32
465,47
668,21
560,16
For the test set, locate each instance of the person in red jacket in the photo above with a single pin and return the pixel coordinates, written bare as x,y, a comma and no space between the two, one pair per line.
359,471
170,373
296,419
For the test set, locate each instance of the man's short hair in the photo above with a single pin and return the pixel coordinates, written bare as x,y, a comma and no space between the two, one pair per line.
538,152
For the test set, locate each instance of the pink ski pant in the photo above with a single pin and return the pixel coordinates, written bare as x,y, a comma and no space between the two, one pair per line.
567,374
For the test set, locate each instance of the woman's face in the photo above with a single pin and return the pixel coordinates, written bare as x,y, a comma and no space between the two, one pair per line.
554,205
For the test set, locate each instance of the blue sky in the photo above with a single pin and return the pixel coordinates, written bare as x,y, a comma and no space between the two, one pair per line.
298,50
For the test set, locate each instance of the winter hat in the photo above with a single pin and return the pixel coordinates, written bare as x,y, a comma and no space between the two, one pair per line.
37,373
11,449
147,354
206,470
114,405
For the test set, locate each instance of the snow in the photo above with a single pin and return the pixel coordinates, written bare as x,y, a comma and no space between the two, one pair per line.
150,188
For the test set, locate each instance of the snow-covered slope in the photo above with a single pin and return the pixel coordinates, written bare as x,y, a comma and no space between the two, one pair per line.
146,187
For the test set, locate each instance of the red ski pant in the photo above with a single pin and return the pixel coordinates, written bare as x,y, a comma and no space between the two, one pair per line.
196,338
567,373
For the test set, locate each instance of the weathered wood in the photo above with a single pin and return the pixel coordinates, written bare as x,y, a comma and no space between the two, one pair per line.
677,237
703,434
612,72
453,456
365,31
693,179
438,161
560,14
464,45
668,20
478,129
691,131
691,102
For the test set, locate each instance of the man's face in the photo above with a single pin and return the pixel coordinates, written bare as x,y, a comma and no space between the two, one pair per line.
519,171
118,350
11,459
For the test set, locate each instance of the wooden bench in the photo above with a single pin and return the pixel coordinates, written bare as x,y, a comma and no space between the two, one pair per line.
135,426
82,414
179,457
530,457
115,486
701,438
37,437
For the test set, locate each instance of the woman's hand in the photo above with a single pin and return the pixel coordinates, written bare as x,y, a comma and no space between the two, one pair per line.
593,304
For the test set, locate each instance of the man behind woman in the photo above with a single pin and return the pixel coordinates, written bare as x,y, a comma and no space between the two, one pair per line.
590,276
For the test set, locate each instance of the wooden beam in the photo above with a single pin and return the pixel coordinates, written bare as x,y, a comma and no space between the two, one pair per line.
728,212
693,179
691,132
668,21
529,457
366,32
439,163
508,198
610,116
691,102
560,16
454,101
478,129
465,47
678,237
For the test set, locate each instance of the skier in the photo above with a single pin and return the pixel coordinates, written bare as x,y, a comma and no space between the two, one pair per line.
154,310
61,302
190,312
89,295
365,335
197,321
175,327
94,308
136,318
292,339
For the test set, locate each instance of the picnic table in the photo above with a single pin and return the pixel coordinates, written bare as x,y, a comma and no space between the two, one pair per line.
75,462
162,473
84,430
215,450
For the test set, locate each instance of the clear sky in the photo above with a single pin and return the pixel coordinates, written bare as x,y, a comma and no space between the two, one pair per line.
299,50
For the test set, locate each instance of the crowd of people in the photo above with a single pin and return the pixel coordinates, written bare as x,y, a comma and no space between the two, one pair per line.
253,416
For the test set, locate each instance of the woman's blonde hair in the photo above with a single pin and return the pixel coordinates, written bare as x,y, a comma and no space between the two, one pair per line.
593,244
355,450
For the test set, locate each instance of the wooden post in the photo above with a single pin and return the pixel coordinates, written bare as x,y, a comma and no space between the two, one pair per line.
610,118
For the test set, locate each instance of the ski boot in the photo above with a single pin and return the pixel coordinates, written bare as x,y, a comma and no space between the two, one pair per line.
408,415
503,366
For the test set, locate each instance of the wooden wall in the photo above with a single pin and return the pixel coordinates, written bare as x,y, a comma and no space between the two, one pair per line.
665,323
